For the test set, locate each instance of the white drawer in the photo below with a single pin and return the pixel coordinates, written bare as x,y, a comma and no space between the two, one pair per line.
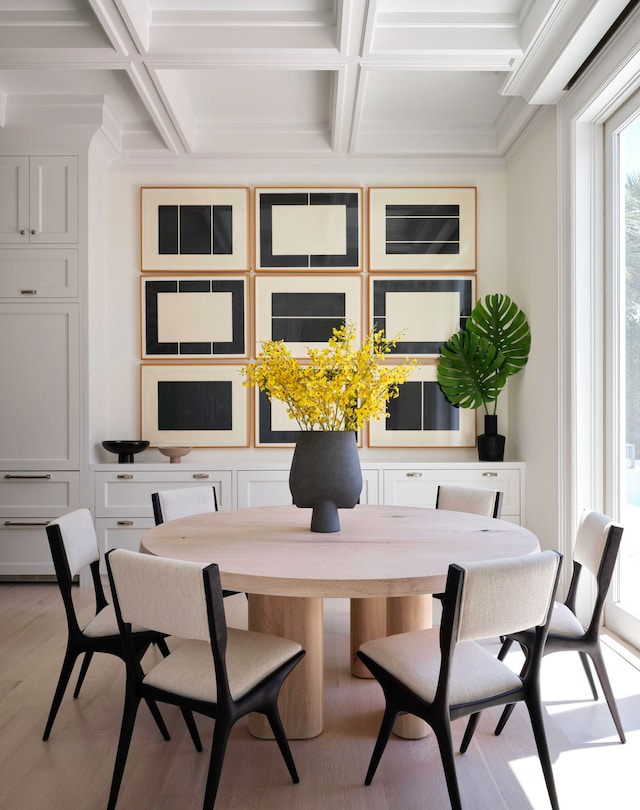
418,487
128,493
32,274
120,533
38,494
271,487
24,548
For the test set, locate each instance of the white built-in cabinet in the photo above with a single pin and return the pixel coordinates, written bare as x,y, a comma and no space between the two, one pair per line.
122,492
40,356
38,200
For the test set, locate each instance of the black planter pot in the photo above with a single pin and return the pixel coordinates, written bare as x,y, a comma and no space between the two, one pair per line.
491,443
325,476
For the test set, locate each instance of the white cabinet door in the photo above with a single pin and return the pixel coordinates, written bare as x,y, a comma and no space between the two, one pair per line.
24,548
120,533
40,373
38,200
14,200
418,486
271,487
53,200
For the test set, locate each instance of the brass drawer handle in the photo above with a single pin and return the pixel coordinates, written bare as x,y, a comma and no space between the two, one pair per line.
414,475
28,292
124,476
200,475
28,477
125,523
25,523
490,474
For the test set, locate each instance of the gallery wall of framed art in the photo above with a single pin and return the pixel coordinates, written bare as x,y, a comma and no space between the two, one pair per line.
223,269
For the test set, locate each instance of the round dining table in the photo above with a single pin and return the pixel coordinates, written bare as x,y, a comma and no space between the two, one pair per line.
387,560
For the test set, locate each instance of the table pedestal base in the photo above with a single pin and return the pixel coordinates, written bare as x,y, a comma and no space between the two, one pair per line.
301,697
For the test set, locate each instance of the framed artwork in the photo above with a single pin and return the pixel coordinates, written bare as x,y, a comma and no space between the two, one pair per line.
194,405
194,229
194,317
422,229
427,310
304,310
273,427
421,416
313,229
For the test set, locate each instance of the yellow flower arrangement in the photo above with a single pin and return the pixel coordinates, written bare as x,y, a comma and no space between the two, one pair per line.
340,387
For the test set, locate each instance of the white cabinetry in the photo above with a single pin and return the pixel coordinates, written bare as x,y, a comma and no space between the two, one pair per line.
28,501
122,498
270,487
38,273
40,373
38,200
418,485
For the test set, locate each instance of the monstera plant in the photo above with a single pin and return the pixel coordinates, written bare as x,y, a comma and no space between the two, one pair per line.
476,362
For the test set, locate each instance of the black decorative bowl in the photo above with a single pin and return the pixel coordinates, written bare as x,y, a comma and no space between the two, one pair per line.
125,450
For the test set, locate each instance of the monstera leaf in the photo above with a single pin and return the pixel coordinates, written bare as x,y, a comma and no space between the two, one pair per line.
503,324
476,362
470,371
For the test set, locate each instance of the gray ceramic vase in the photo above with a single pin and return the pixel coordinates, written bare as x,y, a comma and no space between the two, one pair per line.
325,476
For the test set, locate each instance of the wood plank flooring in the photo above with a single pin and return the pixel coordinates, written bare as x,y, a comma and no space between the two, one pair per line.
73,770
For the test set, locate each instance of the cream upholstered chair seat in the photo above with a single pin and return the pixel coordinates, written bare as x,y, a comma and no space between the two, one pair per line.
442,674
564,622
250,658
414,659
216,671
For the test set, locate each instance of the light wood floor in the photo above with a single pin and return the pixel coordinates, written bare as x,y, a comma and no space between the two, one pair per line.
73,770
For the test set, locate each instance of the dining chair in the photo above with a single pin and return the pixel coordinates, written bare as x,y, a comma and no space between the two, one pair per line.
596,551
441,674
476,500
171,504
216,671
73,544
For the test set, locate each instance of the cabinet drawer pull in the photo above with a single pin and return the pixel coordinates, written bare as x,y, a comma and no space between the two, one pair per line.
414,475
28,477
28,292
26,523
124,476
490,474
125,523
33,231
200,475
22,231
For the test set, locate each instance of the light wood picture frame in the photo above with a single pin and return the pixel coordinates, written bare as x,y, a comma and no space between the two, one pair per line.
421,416
194,405
422,229
303,310
311,229
194,229
194,317
425,309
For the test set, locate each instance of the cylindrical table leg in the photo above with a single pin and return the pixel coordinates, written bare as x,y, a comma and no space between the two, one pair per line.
406,613
301,697
368,621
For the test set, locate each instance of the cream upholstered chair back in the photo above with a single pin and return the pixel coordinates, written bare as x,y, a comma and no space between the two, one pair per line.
475,500
79,539
504,596
161,594
172,504
591,540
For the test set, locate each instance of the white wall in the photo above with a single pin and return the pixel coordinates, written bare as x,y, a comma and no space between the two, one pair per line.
122,351
533,283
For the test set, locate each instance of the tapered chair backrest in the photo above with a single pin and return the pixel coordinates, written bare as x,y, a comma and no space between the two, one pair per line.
596,550
171,504
475,500
74,545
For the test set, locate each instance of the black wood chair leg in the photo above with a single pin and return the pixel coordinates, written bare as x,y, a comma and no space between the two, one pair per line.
283,744
83,671
388,719
65,674
126,730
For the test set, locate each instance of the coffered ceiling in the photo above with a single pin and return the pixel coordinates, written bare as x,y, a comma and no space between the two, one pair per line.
293,78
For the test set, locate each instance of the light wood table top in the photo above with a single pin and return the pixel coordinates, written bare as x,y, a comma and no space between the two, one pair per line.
379,551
